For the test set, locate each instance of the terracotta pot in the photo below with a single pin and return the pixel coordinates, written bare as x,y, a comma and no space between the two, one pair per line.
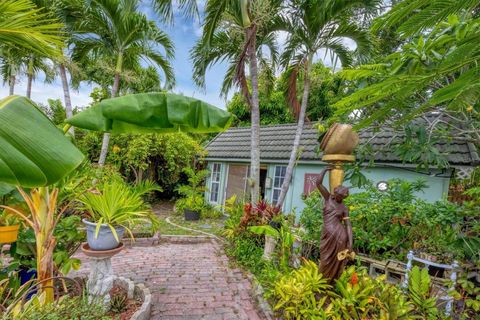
9,234
339,139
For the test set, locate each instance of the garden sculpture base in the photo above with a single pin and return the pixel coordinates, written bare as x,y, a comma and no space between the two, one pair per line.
100,279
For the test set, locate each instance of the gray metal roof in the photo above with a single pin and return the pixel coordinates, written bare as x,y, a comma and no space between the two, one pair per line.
276,143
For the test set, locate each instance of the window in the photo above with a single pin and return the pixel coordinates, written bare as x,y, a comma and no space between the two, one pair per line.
278,178
215,182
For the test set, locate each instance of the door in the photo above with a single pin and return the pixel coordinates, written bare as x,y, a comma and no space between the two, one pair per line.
236,181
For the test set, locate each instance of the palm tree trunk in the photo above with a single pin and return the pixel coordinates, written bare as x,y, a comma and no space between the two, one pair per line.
255,119
298,133
66,95
106,135
29,78
29,85
12,84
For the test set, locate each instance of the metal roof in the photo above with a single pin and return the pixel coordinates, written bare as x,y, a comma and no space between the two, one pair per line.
276,144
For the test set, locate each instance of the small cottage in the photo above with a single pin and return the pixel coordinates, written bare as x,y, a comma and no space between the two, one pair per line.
229,156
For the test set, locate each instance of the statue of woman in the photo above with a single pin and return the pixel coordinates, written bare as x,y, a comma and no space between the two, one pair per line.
337,238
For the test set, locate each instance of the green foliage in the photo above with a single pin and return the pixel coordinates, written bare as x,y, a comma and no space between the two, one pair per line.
66,308
68,235
119,302
301,294
157,157
311,218
193,191
28,154
419,292
390,223
357,296
117,204
284,238
432,71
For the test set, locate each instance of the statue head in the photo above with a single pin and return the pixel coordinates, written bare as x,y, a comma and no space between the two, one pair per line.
340,193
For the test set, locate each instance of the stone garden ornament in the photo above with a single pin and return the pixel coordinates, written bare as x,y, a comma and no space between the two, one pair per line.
337,237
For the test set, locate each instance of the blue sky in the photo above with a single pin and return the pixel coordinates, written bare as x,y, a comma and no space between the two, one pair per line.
184,33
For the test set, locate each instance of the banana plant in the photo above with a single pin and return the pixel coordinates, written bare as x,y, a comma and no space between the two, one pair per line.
34,153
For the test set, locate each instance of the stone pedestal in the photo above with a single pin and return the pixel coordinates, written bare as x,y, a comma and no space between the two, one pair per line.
101,277
269,248
100,280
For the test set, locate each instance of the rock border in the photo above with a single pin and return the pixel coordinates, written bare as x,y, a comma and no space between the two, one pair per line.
258,293
137,291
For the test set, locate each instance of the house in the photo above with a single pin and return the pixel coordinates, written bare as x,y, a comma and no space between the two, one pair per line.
229,156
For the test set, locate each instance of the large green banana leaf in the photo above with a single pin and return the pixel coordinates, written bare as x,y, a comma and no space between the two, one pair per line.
152,112
33,152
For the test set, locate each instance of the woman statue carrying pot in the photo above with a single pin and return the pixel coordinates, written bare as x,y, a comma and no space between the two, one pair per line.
337,238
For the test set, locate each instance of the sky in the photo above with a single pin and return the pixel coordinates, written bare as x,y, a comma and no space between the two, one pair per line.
184,33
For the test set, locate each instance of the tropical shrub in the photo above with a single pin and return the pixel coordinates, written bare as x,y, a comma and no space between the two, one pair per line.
388,224
420,293
357,296
258,214
157,157
66,308
301,294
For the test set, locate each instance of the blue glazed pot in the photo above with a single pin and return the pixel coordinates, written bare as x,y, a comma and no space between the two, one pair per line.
105,239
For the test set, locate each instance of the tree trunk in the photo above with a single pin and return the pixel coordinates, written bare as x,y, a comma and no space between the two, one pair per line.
106,135
298,133
29,85
66,96
12,84
255,127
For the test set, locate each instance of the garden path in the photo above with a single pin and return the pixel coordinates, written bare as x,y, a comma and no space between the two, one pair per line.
188,280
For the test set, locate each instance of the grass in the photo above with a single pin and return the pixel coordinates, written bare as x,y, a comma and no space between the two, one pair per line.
215,225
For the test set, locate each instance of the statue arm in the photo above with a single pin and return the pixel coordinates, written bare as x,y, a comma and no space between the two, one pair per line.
320,185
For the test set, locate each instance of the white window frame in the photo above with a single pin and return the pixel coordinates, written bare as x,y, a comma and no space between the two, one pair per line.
213,174
278,188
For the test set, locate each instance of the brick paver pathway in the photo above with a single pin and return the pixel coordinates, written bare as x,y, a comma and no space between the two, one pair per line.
187,280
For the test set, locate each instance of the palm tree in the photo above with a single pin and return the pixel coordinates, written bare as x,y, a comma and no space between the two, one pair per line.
316,25
34,65
11,61
117,30
236,30
23,25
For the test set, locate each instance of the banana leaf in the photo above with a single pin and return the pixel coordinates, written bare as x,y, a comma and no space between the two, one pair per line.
33,152
152,112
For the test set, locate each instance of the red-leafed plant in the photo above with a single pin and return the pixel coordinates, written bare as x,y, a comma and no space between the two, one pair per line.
259,214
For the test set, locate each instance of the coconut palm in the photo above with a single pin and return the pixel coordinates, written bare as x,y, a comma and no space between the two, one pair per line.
235,31
24,25
115,29
316,25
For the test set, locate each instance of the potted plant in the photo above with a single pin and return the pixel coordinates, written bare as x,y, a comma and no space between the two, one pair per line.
193,203
9,226
114,209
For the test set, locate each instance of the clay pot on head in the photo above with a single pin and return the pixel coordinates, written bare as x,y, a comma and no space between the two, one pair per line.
339,139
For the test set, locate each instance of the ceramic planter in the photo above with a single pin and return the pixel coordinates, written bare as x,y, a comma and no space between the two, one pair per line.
105,239
191,215
9,234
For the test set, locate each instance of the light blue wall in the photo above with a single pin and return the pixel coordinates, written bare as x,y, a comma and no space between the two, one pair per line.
437,186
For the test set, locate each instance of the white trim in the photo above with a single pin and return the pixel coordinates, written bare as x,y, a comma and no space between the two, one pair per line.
211,182
273,182
225,184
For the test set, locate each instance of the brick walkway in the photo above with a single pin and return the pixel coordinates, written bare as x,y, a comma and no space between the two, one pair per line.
187,280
